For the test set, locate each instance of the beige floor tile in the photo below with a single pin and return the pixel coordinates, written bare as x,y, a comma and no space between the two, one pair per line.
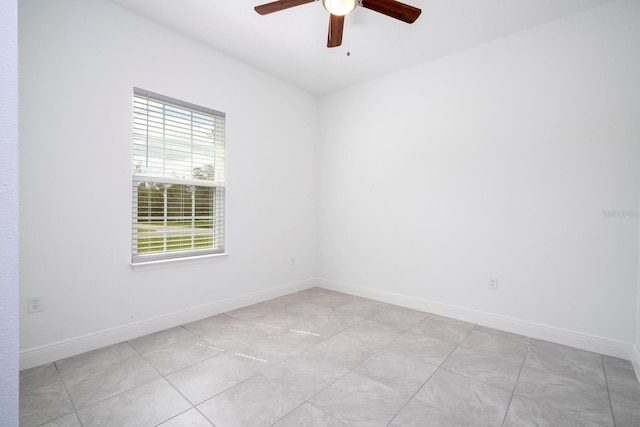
146,405
256,402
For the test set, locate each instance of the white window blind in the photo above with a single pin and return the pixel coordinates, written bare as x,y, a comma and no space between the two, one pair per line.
178,178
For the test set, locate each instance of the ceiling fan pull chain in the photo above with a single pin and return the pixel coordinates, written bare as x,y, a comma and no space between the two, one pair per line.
349,34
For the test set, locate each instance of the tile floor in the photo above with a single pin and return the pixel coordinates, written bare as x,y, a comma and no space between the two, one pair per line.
322,358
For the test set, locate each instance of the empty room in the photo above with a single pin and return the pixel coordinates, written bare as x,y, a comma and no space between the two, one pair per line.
321,213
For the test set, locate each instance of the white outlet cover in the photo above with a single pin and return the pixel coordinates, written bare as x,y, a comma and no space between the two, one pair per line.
34,304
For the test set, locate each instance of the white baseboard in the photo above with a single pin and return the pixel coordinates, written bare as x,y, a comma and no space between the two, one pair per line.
635,359
48,353
534,330
61,349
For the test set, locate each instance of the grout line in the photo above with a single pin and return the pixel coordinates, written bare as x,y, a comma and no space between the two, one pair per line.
438,368
413,396
165,378
304,402
513,392
606,382
73,404
174,416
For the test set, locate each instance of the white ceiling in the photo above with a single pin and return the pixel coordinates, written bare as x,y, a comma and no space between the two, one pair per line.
291,44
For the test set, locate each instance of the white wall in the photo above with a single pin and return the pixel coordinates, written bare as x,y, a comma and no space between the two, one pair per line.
79,62
494,162
497,161
636,354
9,213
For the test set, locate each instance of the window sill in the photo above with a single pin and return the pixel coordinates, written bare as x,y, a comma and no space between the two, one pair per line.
163,263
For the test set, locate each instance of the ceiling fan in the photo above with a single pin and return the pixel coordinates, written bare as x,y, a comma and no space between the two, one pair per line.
339,8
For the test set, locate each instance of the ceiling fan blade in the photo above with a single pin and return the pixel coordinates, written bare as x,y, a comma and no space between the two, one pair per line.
276,6
394,9
336,25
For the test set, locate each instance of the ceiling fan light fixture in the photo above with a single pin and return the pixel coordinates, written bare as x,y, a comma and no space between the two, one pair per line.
339,7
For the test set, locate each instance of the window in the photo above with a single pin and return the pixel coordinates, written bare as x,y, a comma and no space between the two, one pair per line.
178,179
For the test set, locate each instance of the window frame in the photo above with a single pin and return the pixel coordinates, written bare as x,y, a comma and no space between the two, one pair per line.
196,186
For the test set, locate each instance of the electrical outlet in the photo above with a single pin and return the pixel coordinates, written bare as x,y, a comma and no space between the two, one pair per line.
35,304
493,283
